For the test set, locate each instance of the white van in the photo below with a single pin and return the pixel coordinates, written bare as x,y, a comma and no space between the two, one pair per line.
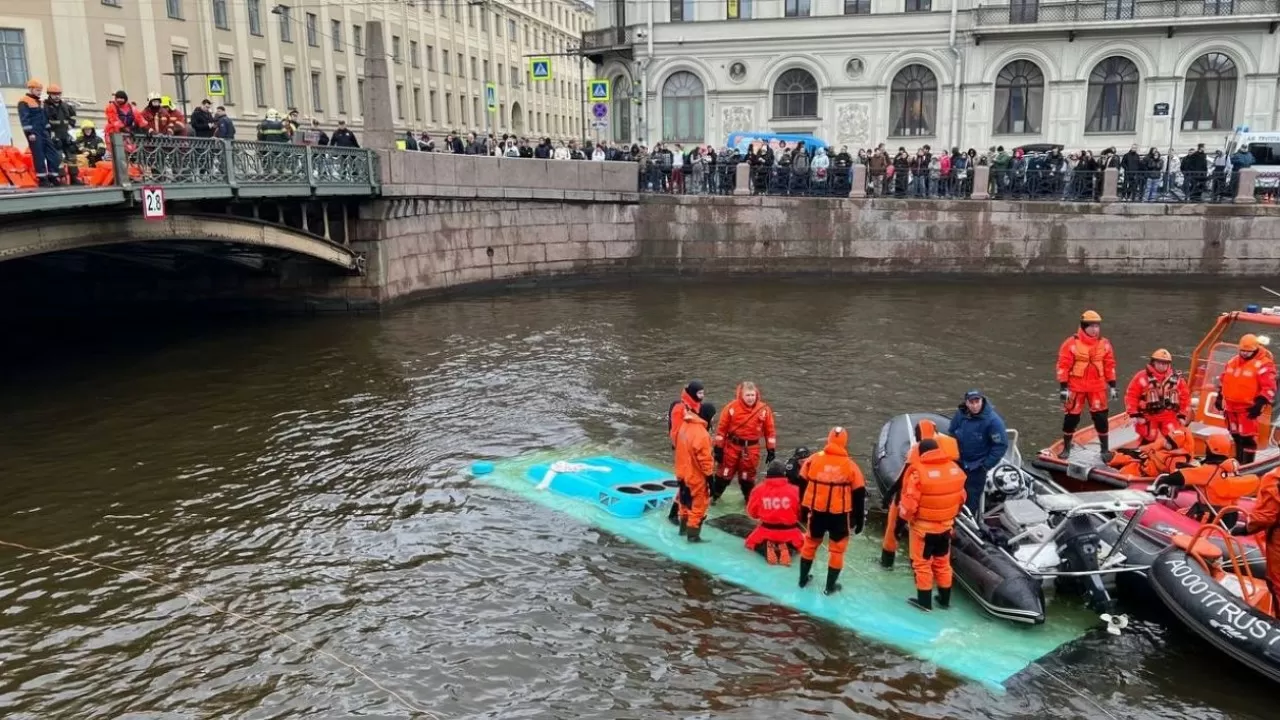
1265,148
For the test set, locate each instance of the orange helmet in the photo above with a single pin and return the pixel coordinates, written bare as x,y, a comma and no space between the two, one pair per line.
1220,444
1180,438
54,89
1162,355
34,84
839,436
1248,343
1089,316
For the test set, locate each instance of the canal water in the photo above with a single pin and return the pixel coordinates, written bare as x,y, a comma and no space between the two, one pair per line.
311,474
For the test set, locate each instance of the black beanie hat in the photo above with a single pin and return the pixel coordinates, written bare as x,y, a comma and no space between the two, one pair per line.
693,387
776,469
707,411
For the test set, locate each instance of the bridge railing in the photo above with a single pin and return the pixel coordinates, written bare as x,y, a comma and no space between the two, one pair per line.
212,167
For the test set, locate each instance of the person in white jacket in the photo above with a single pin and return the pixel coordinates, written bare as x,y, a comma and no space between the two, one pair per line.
598,154
561,152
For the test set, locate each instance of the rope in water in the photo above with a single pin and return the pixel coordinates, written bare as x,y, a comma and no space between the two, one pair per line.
414,709
1076,690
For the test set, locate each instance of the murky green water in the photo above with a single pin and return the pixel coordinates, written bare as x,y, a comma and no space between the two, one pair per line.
308,473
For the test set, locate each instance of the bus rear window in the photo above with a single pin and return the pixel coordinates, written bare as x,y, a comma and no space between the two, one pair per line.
1265,153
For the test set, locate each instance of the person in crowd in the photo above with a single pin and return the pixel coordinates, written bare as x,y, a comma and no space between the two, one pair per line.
695,468
1157,399
1265,520
1086,380
272,128
1217,479
62,122
292,124
223,127
1246,387
776,506
119,114
343,137
745,422
202,121
35,125
89,145
1195,173
980,433
835,498
933,491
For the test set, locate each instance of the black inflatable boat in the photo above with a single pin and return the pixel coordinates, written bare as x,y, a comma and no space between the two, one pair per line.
1032,533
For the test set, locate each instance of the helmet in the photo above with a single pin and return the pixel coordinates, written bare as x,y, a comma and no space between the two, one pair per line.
1162,354
153,95
54,89
1248,343
1089,316
86,125
166,101
273,114
1220,444
34,84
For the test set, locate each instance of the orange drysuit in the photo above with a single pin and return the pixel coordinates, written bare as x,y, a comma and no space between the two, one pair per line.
741,429
1158,402
1244,388
1087,365
1165,454
835,497
676,416
694,465
1265,519
925,430
932,496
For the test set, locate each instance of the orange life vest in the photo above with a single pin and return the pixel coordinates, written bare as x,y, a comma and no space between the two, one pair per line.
1240,382
1085,355
1223,485
1161,394
832,479
941,492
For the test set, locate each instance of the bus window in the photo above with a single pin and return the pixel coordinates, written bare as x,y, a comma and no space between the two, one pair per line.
1265,153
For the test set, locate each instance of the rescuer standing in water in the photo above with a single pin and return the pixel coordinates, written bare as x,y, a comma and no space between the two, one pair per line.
835,496
1086,380
1246,387
933,491
746,421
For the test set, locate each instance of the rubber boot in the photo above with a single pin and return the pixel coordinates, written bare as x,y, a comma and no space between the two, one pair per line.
886,559
674,515
747,487
784,555
1105,453
694,534
944,598
923,600
832,587
684,527
1065,452
771,553
805,567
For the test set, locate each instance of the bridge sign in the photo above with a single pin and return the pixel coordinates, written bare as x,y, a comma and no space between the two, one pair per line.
598,90
539,68
152,202
216,86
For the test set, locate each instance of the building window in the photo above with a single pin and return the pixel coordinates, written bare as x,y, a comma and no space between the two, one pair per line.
462,69
913,102
260,85
224,69
919,5
474,74
444,62
1117,9
475,111
13,57
400,102
173,8
515,76
413,54
621,110
111,3
797,8
395,49
317,93
286,22
681,11
683,102
738,9
179,81
484,67
511,30
313,30
795,95
497,25
288,89
1022,12
340,85
431,106
1113,96
471,16
1019,98
857,7
417,105
484,20
431,58
335,33
360,96
357,39
1210,93
1219,7
462,109
220,15
255,16
448,108
502,74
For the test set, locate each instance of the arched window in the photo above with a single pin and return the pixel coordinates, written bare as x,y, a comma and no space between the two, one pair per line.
517,118
795,95
621,110
1210,93
913,102
1019,98
682,108
1113,96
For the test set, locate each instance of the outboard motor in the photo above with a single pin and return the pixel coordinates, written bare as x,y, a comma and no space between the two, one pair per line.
1078,546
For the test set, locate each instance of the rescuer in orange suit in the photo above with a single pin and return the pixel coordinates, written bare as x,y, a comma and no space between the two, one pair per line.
925,430
776,504
1157,398
1165,454
1265,519
1217,477
1086,380
1246,387
691,399
835,496
694,470
745,422
932,495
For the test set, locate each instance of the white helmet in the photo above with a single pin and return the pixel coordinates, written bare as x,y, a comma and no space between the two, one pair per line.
153,95
273,114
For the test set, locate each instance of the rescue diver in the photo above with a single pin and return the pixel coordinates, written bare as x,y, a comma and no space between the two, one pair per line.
1265,519
776,505
1158,398
933,492
980,433
695,469
745,422
1246,387
690,399
1217,478
835,496
1086,380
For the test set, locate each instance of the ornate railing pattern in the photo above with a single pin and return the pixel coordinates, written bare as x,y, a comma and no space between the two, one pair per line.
182,161
606,38
1020,12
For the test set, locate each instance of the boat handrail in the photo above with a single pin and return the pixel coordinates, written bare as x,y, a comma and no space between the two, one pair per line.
1234,551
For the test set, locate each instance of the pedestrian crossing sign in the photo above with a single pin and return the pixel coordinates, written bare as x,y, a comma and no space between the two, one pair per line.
491,96
598,90
539,68
216,86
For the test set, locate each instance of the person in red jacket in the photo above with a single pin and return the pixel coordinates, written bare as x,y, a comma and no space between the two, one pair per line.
1246,387
1265,519
1158,398
776,504
744,424
1086,380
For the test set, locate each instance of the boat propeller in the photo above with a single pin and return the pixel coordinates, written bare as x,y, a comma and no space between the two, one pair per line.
1115,623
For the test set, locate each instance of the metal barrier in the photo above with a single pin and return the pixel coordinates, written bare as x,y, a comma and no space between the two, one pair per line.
1020,12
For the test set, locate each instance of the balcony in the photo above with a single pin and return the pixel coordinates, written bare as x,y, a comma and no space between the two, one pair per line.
605,41
1124,14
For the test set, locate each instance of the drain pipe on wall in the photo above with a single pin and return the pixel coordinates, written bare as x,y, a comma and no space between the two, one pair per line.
648,63
957,102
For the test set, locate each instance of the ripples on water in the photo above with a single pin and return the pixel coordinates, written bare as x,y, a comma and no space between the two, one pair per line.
310,474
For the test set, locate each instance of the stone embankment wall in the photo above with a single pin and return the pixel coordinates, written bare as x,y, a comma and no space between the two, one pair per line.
446,221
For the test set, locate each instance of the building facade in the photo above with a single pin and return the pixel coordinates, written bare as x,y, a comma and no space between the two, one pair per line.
308,56
1087,74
